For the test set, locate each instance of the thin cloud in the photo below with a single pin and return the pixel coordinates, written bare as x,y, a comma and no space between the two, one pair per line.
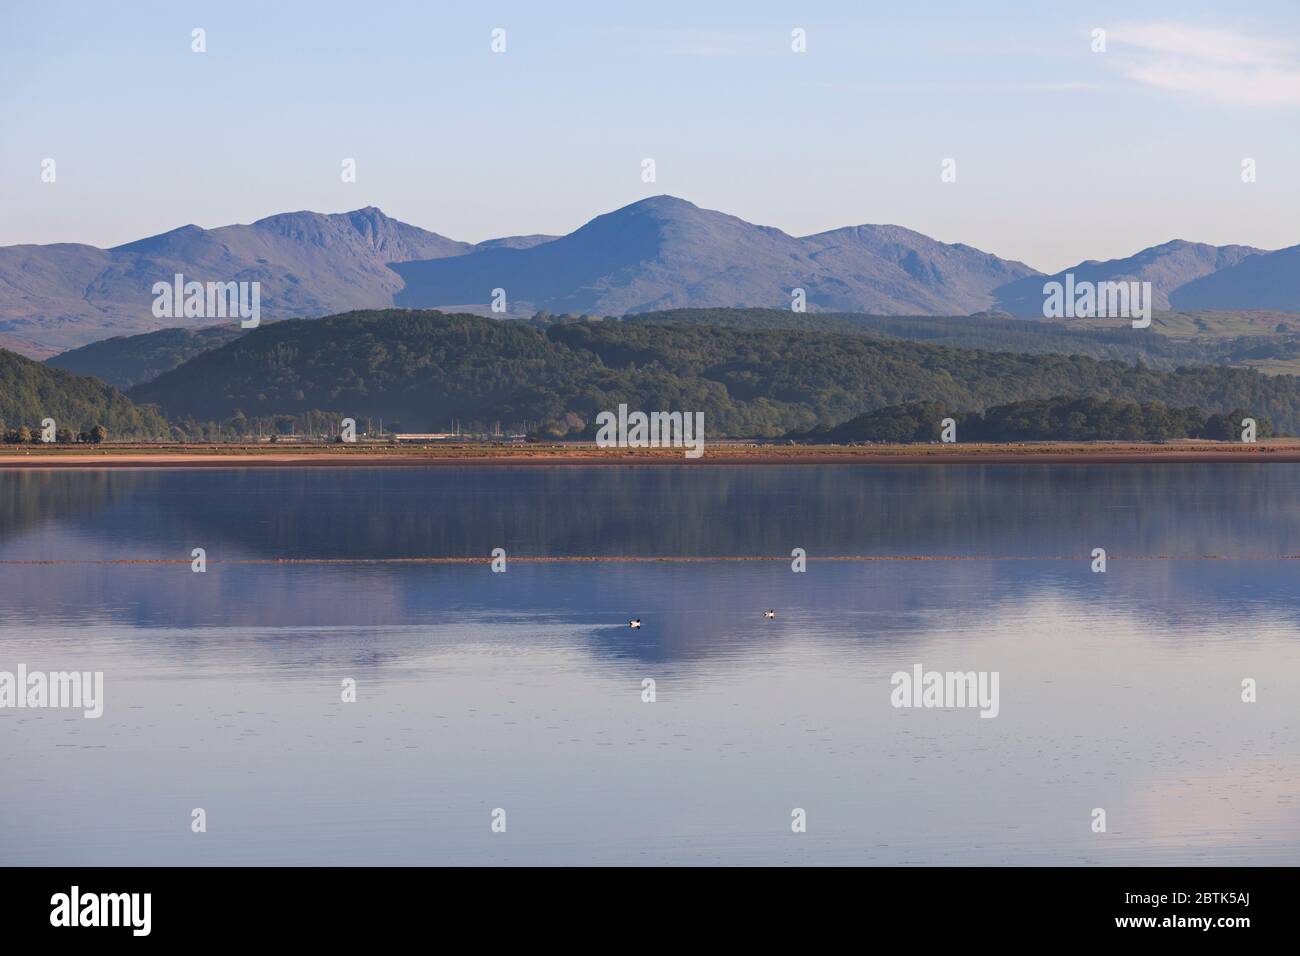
1217,64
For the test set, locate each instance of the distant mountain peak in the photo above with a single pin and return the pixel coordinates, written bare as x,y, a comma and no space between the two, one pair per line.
664,252
308,264
180,233
661,203
655,253
1169,267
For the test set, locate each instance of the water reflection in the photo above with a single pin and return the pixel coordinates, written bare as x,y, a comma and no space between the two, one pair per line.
522,689
660,510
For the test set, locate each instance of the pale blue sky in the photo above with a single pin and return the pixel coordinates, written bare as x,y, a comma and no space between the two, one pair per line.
1062,154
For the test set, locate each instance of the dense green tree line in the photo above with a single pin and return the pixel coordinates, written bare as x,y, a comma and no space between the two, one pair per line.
994,334
31,392
426,370
1053,419
133,360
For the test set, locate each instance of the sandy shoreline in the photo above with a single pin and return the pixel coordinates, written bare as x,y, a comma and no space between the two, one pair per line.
252,456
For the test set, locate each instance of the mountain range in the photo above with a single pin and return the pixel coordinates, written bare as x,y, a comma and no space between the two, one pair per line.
657,253
666,253
1173,269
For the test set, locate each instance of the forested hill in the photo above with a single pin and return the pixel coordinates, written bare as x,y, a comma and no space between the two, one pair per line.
1004,334
30,392
126,361
423,369
129,360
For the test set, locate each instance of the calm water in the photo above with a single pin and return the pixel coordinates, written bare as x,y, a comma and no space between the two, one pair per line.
523,690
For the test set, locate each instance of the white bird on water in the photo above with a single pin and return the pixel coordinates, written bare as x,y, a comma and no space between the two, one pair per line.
634,623
768,615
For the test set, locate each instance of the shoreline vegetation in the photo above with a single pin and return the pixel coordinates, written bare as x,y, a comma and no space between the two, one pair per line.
758,373
371,454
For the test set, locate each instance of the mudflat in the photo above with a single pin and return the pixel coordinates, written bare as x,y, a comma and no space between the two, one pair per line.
127,455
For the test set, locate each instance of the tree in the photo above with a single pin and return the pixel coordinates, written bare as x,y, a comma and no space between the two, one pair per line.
238,424
1219,428
553,429
33,391
98,434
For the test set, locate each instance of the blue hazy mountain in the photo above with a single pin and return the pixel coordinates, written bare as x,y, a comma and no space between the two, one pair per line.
1270,280
664,252
657,253
1168,267
61,296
